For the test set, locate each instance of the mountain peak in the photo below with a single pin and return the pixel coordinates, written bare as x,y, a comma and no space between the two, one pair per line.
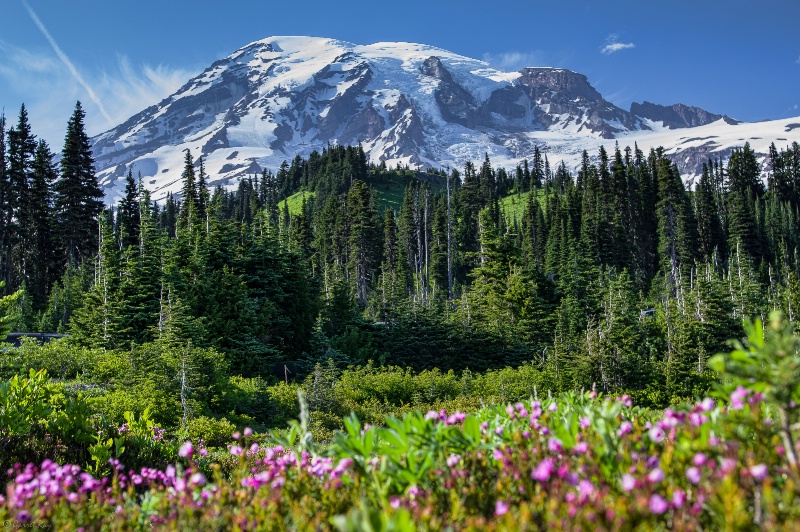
405,103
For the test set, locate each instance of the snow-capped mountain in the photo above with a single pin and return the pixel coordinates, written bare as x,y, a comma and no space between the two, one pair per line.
405,103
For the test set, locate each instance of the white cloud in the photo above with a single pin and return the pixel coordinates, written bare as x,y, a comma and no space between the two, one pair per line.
613,45
124,90
515,60
133,89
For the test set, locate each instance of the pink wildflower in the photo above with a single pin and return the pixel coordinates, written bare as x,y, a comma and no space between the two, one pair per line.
678,498
500,508
657,434
624,428
248,431
554,445
738,396
693,474
707,404
656,475
657,504
186,450
585,487
759,472
543,470
628,482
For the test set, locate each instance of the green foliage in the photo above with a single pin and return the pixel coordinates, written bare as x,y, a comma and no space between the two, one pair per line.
768,362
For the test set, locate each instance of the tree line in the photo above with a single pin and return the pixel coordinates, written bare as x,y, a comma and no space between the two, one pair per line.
618,277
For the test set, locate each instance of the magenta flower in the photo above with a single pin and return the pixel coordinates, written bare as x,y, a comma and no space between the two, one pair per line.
553,407
581,447
585,487
453,460
500,508
394,502
624,428
678,498
625,400
197,479
236,435
738,396
657,504
697,419
585,422
628,482
186,450
235,450
707,404
693,474
656,475
759,472
657,434
700,459
554,445
727,465
543,470
248,431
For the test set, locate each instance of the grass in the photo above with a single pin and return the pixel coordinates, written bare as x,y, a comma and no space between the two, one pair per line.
513,205
390,188
295,202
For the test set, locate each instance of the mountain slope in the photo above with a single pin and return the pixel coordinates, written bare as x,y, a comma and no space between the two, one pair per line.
405,103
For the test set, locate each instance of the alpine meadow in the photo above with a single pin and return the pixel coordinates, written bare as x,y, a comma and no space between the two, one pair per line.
328,286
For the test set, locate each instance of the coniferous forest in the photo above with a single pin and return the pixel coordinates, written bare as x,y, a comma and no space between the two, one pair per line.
377,290
618,278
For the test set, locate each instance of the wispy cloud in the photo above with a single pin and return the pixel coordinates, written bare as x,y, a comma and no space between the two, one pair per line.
515,60
135,88
70,66
125,89
613,45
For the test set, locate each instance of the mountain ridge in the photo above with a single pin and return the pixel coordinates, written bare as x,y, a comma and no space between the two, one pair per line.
405,103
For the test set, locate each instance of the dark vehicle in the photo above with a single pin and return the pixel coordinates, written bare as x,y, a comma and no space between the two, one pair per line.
15,338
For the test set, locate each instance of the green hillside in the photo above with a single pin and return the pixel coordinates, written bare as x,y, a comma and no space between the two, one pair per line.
389,186
295,201
513,205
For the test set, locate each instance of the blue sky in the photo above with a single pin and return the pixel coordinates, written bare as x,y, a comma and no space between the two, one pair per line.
736,57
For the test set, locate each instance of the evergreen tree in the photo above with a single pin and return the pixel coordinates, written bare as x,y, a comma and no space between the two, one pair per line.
676,225
744,189
190,200
78,196
42,268
21,149
364,243
128,216
5,211
711,239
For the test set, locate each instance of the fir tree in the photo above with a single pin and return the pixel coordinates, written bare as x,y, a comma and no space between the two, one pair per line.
78,196
128,214
42,268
